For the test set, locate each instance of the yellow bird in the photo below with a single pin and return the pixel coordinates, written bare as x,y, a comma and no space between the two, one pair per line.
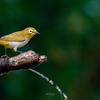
17,39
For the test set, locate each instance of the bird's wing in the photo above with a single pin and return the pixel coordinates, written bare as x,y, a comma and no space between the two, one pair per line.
16,36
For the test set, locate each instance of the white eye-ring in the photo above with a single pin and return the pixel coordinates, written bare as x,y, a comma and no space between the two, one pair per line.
30,31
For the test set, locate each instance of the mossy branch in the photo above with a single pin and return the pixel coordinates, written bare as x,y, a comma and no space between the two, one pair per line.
23,61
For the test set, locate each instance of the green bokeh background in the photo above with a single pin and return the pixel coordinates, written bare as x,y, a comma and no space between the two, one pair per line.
70,38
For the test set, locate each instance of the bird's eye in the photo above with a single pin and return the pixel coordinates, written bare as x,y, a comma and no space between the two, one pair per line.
30,31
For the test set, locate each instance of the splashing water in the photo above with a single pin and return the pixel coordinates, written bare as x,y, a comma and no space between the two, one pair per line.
51,82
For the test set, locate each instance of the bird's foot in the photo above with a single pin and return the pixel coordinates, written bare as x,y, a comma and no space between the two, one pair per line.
19,52
5,56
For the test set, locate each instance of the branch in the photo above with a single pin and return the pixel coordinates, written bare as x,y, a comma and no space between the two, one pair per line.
24,61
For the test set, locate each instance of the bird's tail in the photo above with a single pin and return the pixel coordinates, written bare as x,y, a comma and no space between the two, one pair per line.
3,42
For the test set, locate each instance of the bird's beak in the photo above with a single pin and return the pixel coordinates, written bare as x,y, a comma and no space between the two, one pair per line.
37,32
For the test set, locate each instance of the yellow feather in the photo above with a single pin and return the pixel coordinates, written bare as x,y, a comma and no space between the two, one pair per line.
5,43
16,36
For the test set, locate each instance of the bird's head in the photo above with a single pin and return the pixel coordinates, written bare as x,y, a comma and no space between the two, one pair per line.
30,32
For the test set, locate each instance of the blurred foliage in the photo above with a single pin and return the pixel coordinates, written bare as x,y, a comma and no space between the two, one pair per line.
70,37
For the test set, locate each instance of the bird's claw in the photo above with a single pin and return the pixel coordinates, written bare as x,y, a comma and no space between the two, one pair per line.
19,52
5,56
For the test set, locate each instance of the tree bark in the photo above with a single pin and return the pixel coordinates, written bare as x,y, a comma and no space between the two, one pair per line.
23,61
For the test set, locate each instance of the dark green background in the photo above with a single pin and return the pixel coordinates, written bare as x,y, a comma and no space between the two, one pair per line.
70,38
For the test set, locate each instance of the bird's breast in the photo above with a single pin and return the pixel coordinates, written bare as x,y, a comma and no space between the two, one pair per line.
18,44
